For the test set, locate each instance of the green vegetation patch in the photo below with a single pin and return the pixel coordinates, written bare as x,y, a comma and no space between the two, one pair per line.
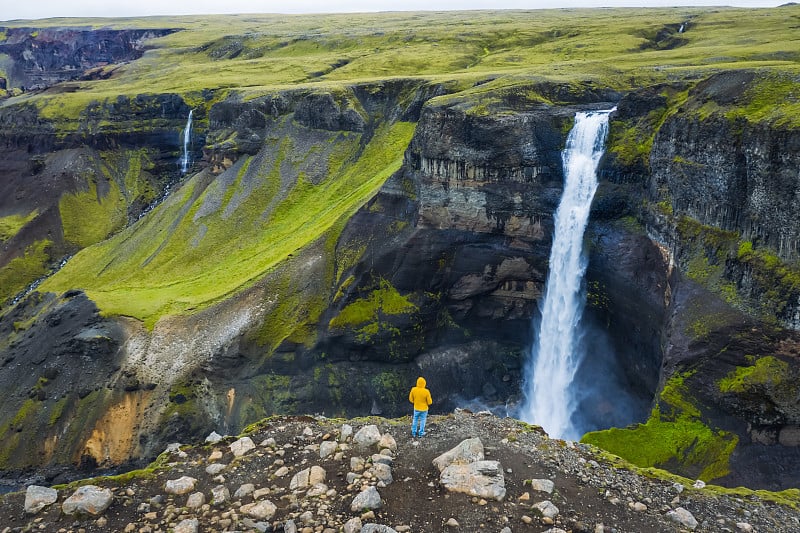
21,271
152,268
385,299
675,440
88,217
767,370
10,225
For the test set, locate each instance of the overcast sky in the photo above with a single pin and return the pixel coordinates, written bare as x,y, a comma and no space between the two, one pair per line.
33,9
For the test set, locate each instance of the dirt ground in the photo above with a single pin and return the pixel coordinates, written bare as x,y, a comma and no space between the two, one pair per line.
591,494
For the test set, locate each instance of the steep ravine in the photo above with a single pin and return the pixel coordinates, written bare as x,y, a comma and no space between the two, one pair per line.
436,271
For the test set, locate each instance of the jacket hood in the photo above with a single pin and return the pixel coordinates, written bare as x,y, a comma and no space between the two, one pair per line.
421,382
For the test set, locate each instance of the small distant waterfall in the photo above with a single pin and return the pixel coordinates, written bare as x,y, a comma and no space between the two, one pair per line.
557,353
186,155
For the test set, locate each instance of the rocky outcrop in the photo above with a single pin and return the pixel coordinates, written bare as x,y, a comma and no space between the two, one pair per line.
43,57
588,491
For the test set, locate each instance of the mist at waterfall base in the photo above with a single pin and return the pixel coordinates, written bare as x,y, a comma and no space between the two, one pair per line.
572,383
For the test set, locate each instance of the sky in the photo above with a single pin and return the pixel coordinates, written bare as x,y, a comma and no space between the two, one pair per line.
34,9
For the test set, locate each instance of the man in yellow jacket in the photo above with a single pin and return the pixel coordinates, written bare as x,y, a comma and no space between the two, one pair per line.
421,398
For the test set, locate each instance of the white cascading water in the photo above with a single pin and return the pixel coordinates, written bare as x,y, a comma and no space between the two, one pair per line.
187,137
557,353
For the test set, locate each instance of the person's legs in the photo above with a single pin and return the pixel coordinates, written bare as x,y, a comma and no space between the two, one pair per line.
423,416
414,422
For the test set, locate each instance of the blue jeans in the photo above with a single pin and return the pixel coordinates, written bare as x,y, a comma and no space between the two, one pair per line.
418,423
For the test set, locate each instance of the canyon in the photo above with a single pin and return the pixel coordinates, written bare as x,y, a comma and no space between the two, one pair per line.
329,243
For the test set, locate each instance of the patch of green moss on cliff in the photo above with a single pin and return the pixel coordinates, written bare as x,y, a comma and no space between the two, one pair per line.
271,394
368,316
10,225
88,217
23,270
767,370
676,440
391,386
777,282
772,97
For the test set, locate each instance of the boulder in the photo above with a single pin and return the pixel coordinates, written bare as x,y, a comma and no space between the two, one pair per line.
195,500
683,517
383,472
345,433
367,437
37,498
387,442
242,446
547,509
262,510
366,500
542,485
244,490
213,437
376,528
353,525
182,485
467,451
327,448
189,525
88,499
307,477
483,479
220,494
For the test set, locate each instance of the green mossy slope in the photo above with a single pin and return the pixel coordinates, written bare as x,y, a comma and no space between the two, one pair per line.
214,237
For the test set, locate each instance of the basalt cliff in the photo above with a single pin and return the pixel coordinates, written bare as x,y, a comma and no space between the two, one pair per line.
331,242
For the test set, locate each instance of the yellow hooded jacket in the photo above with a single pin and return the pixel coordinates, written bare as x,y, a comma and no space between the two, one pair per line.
420,396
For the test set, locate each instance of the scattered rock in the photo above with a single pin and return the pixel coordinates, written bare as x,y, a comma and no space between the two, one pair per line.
367,437
483,479
261,510
242,446
215,468
468,451
376,528
387,442
195,500
452,522
367,499
182,485
190,525
213,437
37,498
542,485
88,499
683,517
219,495
327,448
353,525
345,433
547,509
307,477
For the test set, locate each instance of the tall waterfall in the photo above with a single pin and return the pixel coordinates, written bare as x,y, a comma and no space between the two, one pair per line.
557,352
187,137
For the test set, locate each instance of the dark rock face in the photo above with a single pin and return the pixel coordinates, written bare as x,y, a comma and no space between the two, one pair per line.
43,57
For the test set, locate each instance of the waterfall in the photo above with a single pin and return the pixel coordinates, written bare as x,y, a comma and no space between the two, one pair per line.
187,137
557,353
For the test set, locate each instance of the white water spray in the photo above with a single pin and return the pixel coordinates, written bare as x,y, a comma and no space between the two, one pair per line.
557,352
187,137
